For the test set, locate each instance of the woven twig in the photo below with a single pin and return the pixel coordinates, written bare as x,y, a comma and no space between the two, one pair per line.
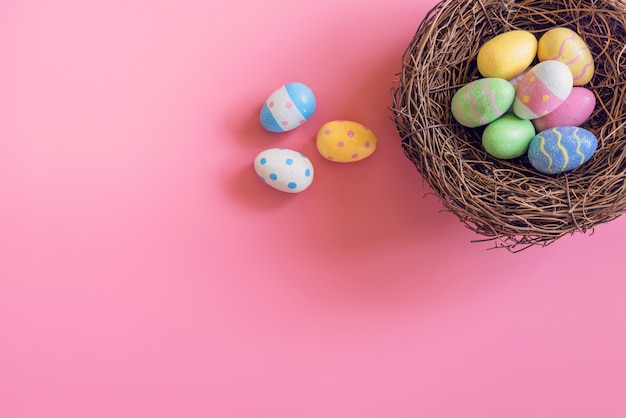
507,201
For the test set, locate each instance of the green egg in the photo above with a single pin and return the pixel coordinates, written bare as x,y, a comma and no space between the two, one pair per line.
482,101
508,136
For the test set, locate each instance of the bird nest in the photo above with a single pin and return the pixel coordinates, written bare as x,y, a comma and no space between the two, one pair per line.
508,201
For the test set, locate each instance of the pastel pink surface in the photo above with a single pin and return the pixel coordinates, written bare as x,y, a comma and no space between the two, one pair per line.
146,272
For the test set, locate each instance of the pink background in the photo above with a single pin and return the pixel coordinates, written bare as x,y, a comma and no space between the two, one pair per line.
146,272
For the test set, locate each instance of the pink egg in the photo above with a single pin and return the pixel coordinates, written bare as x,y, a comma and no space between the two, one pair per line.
542,89
574,111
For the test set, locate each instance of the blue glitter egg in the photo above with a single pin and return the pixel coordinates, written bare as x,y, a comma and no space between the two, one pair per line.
561,149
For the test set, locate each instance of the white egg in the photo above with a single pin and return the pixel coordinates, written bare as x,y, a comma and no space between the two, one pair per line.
284,169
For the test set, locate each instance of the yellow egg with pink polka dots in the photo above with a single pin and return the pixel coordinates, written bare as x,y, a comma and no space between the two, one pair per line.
345,141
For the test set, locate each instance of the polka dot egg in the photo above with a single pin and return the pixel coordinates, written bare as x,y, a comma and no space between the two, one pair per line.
288,107
542,89
284,169
345,141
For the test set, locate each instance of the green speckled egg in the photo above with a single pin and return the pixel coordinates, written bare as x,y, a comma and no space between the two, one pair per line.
482,101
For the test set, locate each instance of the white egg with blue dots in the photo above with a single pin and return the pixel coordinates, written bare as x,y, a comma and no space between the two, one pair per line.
284,169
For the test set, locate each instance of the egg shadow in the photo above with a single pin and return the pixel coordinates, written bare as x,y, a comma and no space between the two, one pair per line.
246,187
247,130
244,122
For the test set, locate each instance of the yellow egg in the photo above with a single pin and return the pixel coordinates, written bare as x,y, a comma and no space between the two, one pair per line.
565,45
507,55
345,141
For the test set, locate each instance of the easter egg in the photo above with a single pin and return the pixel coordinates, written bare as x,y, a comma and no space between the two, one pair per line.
345,141
482,101
561,149
507,54
574,111
542,89
565,45
508,137
284,169
288,107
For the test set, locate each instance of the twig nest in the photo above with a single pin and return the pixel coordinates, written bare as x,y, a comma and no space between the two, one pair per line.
508,200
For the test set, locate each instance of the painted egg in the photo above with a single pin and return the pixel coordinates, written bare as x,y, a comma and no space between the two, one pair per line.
508,137
482,101
288,107
506,55
574,111
566,46
284,169
345,141
543,88
561,149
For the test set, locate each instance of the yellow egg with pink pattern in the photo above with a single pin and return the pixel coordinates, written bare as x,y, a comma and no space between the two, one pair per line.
564,45
345,141
542,89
